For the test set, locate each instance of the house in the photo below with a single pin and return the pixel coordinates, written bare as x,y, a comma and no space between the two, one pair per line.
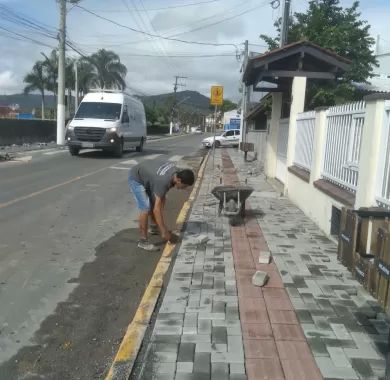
323,159
232,120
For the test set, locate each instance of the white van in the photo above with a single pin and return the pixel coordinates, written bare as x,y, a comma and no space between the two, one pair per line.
108,120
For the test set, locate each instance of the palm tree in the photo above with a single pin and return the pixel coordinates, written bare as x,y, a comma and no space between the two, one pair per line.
51,68
109,72
85,75
37,81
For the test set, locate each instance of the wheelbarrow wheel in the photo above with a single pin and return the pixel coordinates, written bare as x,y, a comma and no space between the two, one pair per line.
242,210
220,208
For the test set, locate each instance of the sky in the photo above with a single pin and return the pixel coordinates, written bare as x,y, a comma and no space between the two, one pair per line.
152,62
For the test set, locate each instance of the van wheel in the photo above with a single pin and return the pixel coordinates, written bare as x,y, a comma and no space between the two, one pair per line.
140,147
217,144
119,150
74,150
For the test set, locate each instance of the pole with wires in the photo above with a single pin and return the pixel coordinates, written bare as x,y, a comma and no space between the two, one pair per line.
215,129
76,86
245,95
61,76
285,22
175,86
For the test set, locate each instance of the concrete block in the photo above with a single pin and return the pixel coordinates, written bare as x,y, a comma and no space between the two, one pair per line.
201,239
260,278
184,367
264,257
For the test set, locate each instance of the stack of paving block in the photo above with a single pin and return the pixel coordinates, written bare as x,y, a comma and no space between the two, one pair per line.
348,238
360,244
380,282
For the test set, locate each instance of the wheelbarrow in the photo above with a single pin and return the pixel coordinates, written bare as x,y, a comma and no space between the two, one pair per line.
232,199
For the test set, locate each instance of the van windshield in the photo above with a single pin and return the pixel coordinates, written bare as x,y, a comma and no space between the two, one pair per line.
95,110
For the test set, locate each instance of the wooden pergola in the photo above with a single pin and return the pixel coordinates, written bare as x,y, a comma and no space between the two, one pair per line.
275,70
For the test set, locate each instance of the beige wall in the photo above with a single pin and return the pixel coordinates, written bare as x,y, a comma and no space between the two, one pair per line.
314,203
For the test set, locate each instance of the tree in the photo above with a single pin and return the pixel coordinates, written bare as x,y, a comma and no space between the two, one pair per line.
330,26
227,105
109,72
85,74
51,68
36,81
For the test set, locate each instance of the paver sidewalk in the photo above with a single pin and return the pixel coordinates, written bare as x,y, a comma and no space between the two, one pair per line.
310,321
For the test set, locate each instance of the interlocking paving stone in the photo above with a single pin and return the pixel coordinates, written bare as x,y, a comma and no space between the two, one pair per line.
202,362
264,369
329,370
184,367
219,371
338,357
324,294
186,352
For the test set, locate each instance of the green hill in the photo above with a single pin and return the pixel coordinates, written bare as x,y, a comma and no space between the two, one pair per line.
27,102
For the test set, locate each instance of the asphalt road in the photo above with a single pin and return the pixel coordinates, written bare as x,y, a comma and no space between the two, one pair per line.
71,275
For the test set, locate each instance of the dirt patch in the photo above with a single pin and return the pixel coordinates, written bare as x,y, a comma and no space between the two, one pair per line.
80,339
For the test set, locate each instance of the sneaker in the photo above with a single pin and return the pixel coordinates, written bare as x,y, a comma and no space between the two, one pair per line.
153,230
147,245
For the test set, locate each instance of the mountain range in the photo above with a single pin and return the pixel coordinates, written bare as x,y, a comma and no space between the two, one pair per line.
189,99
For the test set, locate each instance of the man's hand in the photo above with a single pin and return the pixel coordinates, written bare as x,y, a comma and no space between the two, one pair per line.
167,236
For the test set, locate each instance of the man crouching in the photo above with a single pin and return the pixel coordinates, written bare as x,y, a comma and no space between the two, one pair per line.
150,181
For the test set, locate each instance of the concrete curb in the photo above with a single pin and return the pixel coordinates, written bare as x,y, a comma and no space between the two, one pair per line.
127,353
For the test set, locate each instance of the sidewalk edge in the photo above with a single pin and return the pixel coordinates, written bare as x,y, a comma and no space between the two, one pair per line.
127,353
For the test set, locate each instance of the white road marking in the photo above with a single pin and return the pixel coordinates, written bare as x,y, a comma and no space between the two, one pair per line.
88,150
175,158
152,156
119,167
56,152
129,162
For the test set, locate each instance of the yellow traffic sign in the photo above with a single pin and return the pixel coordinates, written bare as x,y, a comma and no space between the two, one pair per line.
216,96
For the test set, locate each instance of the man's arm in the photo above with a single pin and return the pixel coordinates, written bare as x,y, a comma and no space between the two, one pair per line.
158,215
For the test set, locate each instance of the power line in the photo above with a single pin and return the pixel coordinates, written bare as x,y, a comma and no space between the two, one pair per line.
155,35
26,38
20,19
182,56
163,8
197,22
223,20
212,17
159,42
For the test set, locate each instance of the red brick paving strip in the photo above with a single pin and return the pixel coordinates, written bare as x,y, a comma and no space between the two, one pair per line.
274,344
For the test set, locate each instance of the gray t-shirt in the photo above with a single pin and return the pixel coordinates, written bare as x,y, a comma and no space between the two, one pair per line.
156,176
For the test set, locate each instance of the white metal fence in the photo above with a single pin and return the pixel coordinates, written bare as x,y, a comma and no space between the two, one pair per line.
304,140
343,138
383,186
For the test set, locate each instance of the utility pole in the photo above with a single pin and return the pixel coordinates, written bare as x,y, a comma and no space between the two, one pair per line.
76,87
245,95
61,76
285,22
175,86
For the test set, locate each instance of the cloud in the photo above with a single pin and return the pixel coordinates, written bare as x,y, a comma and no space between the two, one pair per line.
9,83
154,75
